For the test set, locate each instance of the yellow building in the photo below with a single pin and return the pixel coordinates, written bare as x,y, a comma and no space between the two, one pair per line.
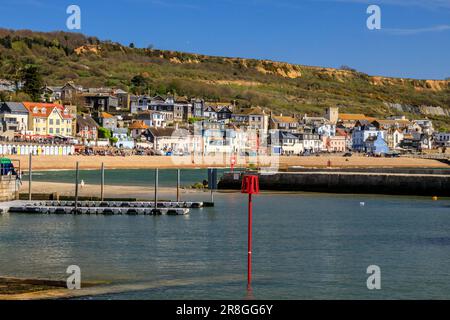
49,119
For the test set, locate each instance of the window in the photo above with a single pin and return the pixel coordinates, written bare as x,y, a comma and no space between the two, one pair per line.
51,121
57,130
50,130
57,122
44,110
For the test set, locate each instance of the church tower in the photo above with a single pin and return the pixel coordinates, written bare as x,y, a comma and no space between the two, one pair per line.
332,114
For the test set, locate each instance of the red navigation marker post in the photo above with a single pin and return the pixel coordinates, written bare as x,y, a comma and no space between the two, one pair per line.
250,185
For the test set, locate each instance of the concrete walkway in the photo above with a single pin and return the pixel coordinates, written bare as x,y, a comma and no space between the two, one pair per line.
4,206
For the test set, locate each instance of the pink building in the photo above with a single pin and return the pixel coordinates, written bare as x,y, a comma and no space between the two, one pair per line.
336,144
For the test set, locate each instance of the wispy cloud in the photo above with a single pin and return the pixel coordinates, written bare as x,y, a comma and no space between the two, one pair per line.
295,4
30,3
426,4
408,32
183,4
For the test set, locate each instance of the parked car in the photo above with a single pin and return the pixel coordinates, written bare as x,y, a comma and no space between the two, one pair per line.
392,155
347,154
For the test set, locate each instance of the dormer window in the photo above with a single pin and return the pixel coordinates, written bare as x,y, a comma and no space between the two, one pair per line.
66,112
35,110
44,110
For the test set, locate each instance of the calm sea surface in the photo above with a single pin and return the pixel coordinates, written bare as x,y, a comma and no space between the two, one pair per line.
306,245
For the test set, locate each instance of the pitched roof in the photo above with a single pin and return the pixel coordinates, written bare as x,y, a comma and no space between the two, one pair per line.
254,110
158,98
106,115
251,111
225,109
284,119
168,132
210,108
43,110
120,91
403,122
286,135
354,117
15,107
86,121
138,125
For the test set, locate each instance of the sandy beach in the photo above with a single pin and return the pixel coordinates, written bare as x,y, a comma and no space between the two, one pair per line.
144,162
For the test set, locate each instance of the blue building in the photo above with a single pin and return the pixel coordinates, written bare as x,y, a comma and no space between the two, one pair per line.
362,132
377,145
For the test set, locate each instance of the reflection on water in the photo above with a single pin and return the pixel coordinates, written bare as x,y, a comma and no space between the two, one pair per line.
305,246
125,177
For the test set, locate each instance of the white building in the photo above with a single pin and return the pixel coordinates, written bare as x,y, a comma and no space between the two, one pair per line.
153,118
311,142
285,143
442,139
13,117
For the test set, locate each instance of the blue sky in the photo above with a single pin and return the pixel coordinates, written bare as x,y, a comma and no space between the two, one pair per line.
414,40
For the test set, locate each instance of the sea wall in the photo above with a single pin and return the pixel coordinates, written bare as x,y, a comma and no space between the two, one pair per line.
348,182
9,189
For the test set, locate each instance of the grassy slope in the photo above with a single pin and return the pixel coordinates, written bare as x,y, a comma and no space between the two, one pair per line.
279,86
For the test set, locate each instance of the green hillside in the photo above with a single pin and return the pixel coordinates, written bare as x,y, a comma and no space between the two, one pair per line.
282,87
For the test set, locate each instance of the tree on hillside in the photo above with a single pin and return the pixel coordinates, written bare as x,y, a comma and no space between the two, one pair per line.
13,69
19,97
32,81
347,68
132,46
139,84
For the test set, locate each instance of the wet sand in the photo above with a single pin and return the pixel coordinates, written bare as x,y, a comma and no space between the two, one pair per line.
101,288
145,162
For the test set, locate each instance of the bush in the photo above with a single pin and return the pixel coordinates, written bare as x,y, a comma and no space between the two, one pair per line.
104,133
